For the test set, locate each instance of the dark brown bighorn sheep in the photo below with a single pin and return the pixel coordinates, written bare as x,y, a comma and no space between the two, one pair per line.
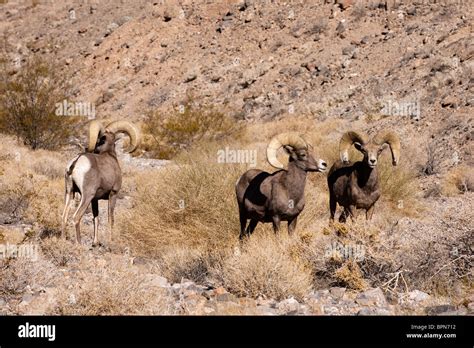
276,197
356,186
96,174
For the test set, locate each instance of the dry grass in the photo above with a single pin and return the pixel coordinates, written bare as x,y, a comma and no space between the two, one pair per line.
197,239
48,165
460,179
188,205
185,218
18,274
267,266
113,290
350,275
177,264
31,191
61,252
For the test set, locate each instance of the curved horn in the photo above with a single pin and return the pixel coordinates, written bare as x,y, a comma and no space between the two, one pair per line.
392,139
346,142
96,128
292,139
126,127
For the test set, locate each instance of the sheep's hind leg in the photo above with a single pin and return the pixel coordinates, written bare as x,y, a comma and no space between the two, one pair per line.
79,213
352,212
68,201
95,213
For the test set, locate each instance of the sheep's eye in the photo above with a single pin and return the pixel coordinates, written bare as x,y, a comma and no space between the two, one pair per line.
101,140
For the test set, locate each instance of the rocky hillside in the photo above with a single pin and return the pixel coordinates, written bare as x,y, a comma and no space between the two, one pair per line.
264,60
339,64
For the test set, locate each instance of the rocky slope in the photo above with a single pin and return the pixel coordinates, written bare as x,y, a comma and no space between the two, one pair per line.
380,63
70,283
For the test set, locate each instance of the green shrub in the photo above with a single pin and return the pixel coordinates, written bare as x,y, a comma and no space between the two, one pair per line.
28,103
170,133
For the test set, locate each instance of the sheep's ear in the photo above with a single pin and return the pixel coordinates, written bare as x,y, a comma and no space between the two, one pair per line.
358,146
288,149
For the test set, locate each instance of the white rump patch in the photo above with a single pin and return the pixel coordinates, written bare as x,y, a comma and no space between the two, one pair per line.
69,164
83,165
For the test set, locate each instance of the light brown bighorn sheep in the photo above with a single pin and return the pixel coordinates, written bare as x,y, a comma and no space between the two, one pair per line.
276,197
97,175
356,186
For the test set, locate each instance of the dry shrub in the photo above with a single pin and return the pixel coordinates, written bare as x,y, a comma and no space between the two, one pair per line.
28,105
191,204
61,252
268,266
49,166
398,185
433,159
17,274
29,193
460,179
435,261
354,255
350,275
15,196
184,263
113,290
185,126
45,207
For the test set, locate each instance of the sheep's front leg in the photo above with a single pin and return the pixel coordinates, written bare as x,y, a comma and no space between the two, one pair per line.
276,223
292,225
112,202
332,206
369,212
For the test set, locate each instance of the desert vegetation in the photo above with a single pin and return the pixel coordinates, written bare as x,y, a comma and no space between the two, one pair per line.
183,221
176,247
28,104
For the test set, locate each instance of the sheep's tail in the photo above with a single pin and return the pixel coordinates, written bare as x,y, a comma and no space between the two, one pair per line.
68,182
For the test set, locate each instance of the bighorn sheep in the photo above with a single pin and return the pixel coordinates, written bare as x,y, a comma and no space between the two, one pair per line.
276,197
97,175
356,186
